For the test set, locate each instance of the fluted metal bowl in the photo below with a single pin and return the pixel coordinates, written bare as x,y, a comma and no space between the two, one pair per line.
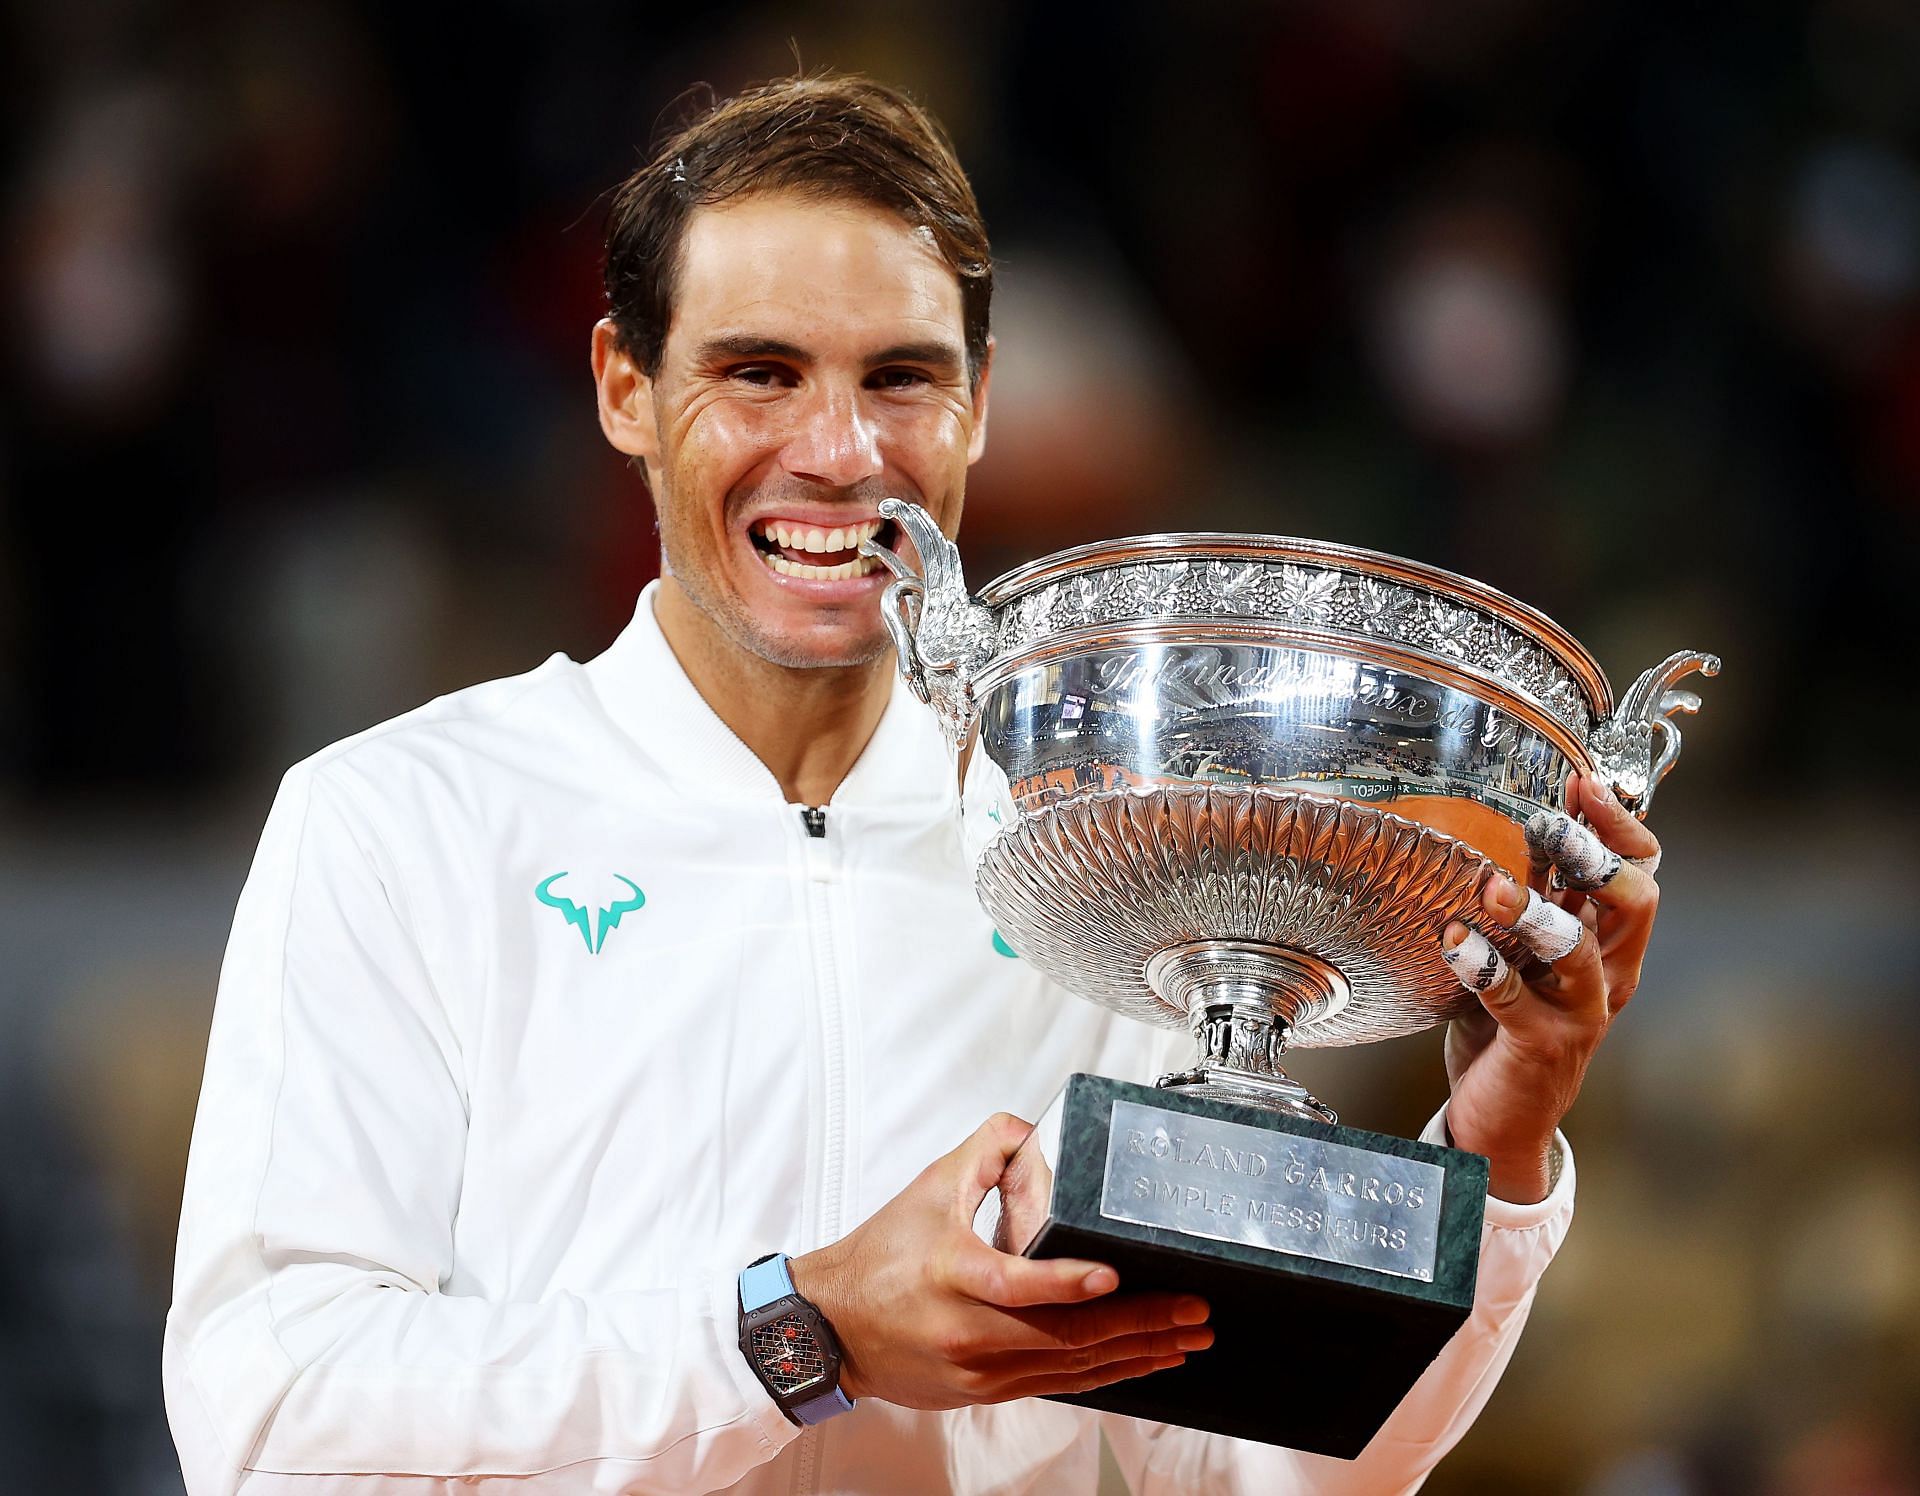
1205,774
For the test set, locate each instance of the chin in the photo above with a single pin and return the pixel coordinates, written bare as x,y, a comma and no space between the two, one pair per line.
821,649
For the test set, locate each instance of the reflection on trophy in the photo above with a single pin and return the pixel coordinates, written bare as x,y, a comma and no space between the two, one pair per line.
1238,784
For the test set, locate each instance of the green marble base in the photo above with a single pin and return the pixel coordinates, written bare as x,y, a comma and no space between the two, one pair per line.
1337,1262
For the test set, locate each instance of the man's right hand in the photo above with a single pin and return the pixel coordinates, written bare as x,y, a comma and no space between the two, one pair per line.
930,1316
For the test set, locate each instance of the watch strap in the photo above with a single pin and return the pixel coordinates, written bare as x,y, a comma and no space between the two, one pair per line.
765,1282
823,1405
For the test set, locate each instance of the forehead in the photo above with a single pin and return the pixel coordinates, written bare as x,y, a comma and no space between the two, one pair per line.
811,267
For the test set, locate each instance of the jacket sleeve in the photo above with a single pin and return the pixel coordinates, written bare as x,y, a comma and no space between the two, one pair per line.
311,1348
1516,1244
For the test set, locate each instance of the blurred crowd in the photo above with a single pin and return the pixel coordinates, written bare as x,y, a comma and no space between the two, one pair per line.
1615,307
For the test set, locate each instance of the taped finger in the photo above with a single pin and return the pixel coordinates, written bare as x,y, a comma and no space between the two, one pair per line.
1475,962
1650,864
1617,826
1549,931
1579,857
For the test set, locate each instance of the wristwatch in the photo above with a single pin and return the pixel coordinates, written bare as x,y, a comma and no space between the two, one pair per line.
789,1343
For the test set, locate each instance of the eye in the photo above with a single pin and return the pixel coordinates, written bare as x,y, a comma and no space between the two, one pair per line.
763,376
898,379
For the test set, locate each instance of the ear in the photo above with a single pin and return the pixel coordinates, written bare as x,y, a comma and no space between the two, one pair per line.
977,443
626,396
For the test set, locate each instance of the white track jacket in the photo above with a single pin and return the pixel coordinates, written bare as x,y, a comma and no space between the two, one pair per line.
543,1015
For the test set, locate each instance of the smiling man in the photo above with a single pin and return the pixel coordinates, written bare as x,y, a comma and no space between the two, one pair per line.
559,1012
817,353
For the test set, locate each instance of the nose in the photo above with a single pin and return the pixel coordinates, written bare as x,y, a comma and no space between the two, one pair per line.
834,442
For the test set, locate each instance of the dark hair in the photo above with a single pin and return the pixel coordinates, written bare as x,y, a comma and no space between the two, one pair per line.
827,136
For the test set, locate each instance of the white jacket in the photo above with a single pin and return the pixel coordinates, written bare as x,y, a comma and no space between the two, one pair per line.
481,1149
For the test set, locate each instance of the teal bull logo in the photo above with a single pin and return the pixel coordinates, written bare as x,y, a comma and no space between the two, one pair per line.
592,933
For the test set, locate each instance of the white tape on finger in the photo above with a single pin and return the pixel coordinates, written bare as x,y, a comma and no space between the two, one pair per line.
1549,931
1581,858
1476,963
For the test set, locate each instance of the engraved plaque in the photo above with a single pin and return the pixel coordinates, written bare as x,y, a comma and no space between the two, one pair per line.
1306,1197
1373,1329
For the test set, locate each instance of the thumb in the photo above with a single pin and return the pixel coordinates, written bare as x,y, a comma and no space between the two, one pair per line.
982,1159
1026,1196
997,1274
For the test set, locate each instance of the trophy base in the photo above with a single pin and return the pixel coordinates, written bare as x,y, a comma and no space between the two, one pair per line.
1336,1262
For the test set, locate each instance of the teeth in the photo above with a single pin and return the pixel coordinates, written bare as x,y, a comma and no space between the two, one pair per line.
863,566
812,539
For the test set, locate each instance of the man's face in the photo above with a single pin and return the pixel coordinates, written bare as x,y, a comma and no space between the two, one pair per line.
815,364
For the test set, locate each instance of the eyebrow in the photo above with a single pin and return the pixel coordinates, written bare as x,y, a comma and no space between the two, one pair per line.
750,345
936,353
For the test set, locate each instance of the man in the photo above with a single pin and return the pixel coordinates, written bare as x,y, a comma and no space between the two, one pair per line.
552,1007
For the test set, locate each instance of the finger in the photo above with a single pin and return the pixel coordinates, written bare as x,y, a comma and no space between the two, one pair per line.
1617,826
1576,855
1483,971
995,1156
1543,926
1009,1282
1472,959
1056,1385
1548,930
1538,868
1071,1327
1627,895
983,1158
1619,948
1572,983
1467,1035
1623,928
1026,1198
1078,1360
1582,861
990,1158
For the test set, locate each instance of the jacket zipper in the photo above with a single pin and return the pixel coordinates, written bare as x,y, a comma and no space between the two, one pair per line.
821,875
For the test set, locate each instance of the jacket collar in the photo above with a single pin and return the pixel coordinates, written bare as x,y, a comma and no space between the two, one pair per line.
641,685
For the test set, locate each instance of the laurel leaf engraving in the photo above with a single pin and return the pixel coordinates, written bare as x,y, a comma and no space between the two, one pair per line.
1374,607
1307,591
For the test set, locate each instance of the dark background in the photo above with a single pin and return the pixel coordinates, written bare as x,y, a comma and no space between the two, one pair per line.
1616,307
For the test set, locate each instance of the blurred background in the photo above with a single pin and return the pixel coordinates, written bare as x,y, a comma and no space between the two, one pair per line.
1616,307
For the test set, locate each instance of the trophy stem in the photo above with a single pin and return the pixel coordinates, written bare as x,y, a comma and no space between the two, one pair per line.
1240,999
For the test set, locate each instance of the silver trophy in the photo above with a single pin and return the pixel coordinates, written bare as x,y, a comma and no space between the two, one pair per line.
1239,784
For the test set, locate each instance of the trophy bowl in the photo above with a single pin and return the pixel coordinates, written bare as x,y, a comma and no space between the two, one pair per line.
1239,784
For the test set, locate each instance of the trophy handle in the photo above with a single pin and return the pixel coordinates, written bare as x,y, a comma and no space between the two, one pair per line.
940,633
1635,747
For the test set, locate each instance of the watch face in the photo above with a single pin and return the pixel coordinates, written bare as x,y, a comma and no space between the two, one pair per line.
788,1353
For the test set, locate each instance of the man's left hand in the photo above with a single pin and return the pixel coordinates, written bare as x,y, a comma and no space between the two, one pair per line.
1516,1062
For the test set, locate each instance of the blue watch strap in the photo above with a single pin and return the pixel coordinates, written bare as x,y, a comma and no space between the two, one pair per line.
822,1406
764,1282
760,1285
